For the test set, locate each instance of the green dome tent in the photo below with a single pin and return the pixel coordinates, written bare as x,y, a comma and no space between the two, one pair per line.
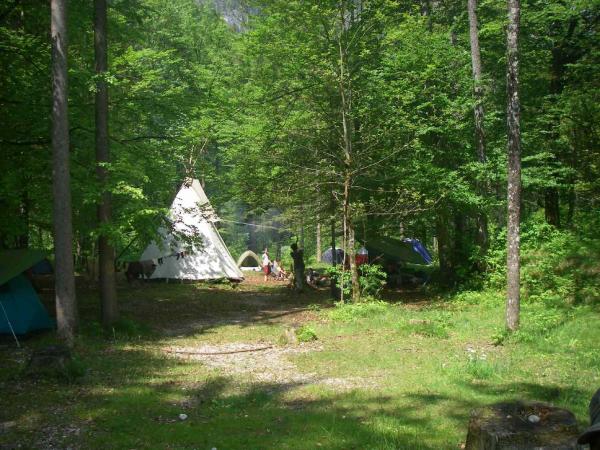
20,308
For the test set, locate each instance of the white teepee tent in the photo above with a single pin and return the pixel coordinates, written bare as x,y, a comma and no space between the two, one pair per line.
192,216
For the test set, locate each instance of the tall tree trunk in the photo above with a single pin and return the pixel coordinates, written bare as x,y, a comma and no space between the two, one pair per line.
477,87
459,258
345,92
106,252
513,298
443,242
349,233
478,111
572,200
318,240
334,289
66,304
353,267
551,206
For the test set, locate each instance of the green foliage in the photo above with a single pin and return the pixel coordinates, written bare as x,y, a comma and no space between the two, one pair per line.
351,312
478,366
362,378
372,279
427,328
306,333
74,370
123,330
557,265
538,322
436,324
482,297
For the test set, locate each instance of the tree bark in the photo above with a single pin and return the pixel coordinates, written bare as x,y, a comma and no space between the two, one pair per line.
443,242
551,206
459,258
66,304
335,294
479,114
318,255
513,267
353,267
477,87
106,252
345,91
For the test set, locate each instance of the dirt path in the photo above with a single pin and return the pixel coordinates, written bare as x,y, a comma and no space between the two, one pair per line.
263,363
250,304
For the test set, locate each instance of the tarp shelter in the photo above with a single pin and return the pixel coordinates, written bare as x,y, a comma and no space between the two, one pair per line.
42,267
20,306
387,249
327,256
249,261
205,256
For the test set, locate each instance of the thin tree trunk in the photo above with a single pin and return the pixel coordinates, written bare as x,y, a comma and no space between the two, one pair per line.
347,142
443,247
513,298
334,289
318,240
353,267
551,206
459,259
106,252
478,111
572,200
477,87
66,304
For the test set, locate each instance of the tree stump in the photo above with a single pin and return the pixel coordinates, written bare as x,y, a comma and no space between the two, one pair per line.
522,426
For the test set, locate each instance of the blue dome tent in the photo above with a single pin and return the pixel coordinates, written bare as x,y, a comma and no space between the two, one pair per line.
20,308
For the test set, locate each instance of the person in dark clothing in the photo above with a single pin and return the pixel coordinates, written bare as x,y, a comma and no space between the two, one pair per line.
298,257
591,436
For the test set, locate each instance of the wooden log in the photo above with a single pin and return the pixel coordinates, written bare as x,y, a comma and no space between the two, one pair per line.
522,426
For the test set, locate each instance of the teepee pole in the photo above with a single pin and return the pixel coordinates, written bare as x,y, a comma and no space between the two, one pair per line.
10,325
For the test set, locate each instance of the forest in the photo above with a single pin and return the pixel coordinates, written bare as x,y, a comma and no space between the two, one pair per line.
469,126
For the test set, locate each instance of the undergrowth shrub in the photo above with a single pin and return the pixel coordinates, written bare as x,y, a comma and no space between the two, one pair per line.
427,328
306,334
557,265
538,321
436,324
478,366
123,329
372,279
350,312
486,298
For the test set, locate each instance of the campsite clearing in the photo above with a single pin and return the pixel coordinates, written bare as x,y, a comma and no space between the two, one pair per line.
400,374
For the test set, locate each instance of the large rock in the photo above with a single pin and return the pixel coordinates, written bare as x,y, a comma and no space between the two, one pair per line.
522,426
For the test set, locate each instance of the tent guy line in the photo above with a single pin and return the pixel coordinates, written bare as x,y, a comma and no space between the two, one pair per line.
253,224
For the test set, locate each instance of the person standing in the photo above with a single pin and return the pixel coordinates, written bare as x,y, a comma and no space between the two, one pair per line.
298,257
266,264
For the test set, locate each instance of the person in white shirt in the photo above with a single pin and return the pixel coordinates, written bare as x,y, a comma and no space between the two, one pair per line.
266,263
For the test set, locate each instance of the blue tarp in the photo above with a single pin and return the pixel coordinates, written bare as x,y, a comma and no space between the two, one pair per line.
327,256
387,249
418,247
22,307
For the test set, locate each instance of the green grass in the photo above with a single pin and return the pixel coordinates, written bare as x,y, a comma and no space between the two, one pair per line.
399,374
